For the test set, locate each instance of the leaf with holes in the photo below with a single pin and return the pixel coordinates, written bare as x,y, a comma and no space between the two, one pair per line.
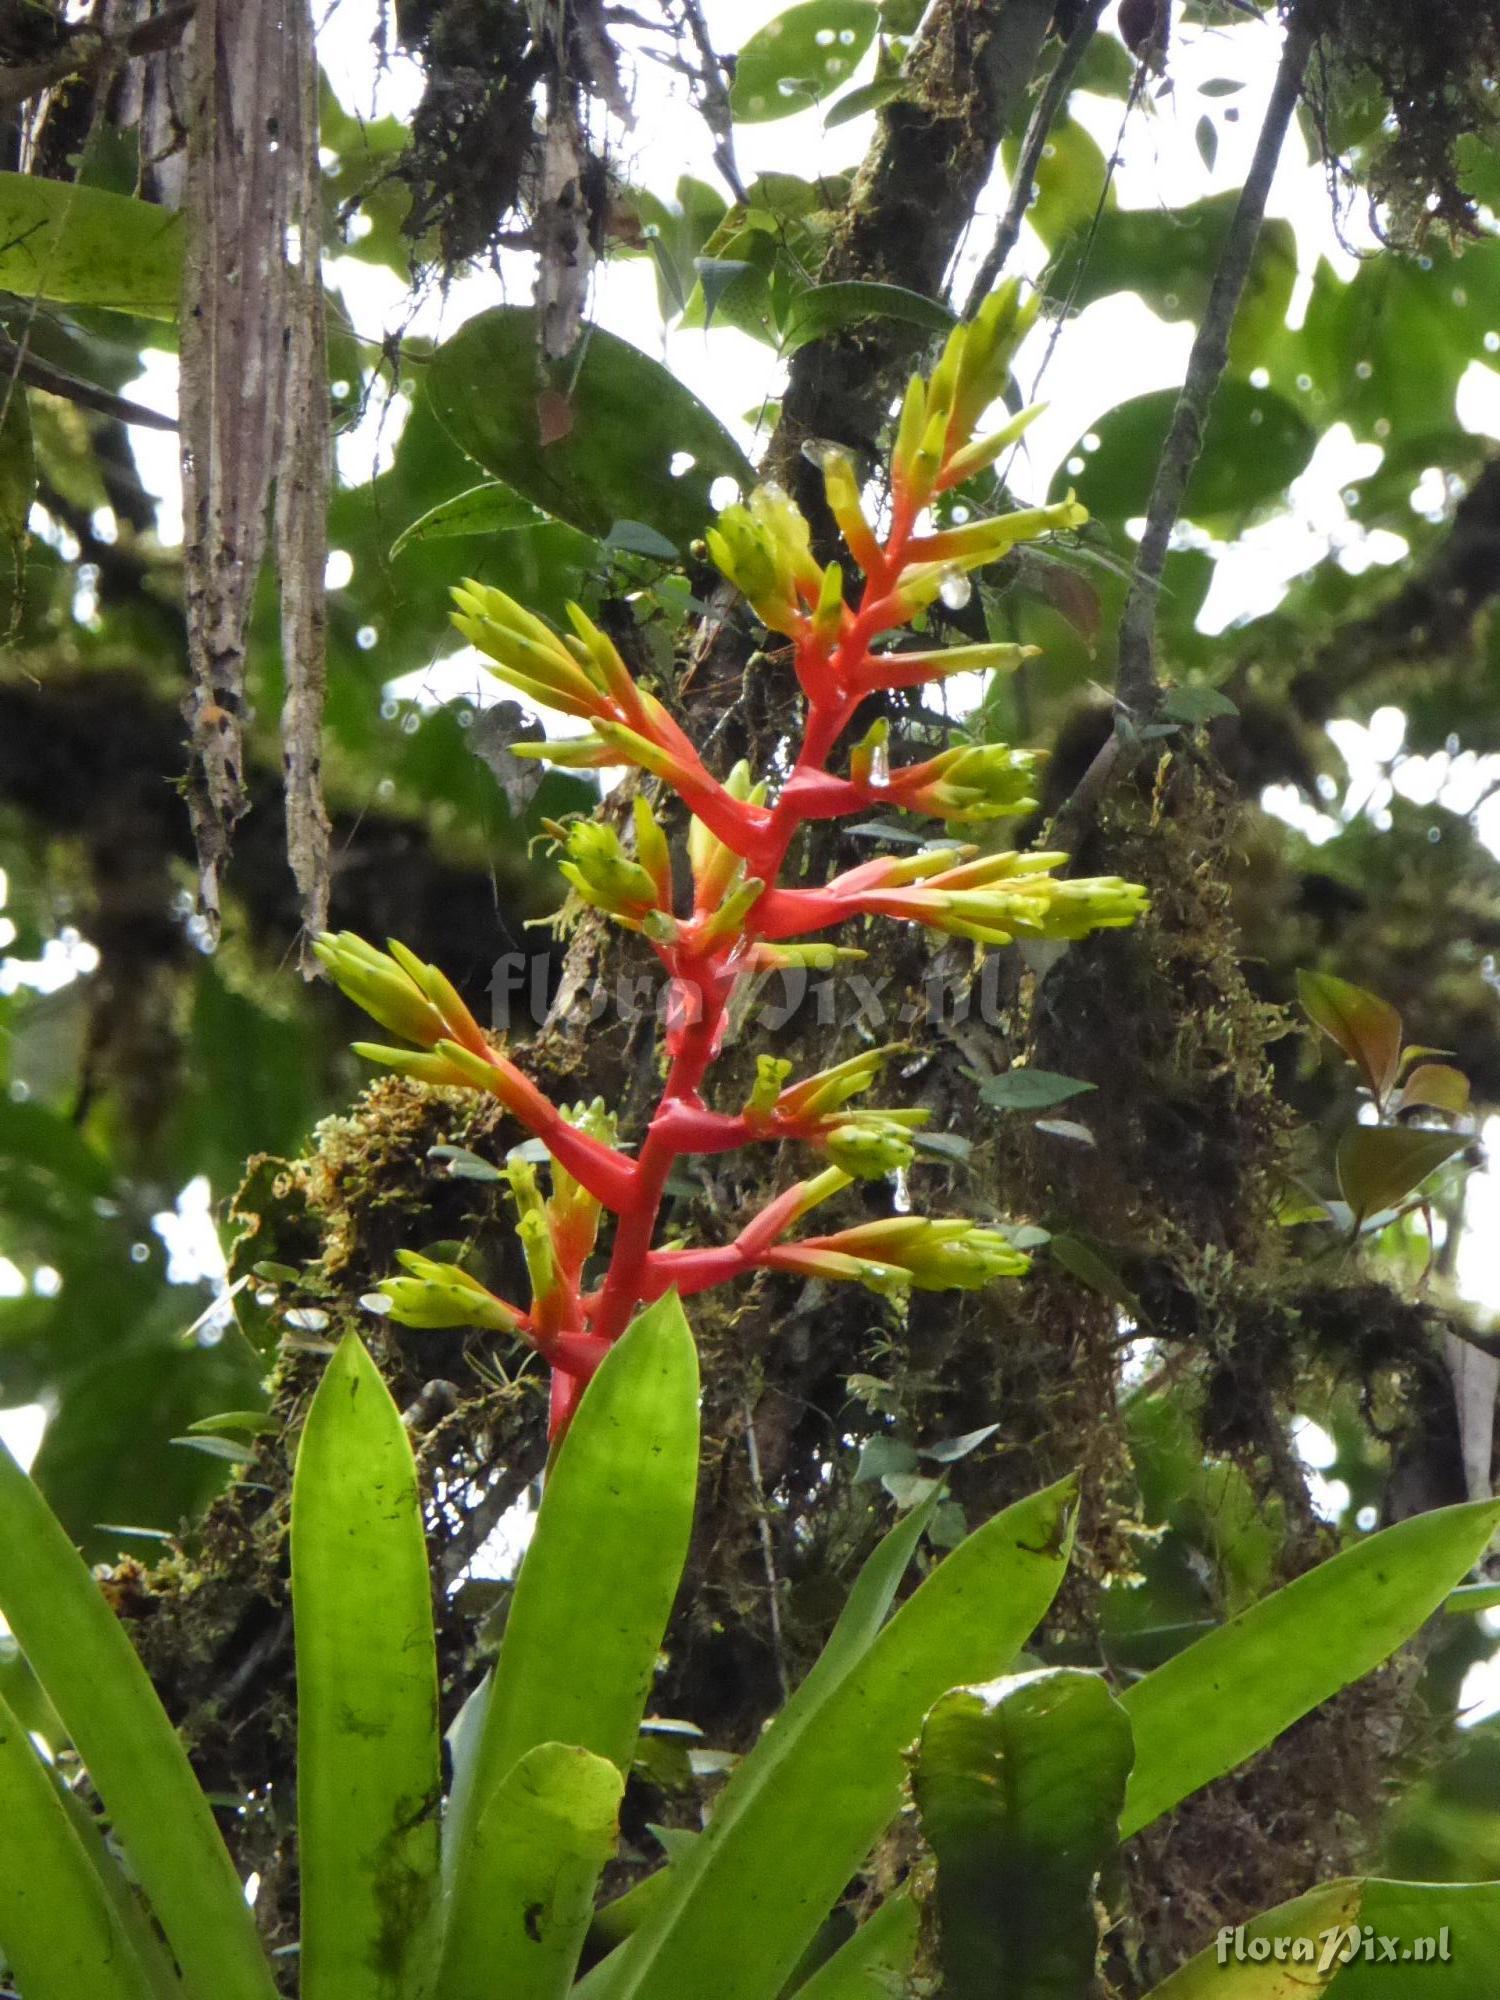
801,56
1254,445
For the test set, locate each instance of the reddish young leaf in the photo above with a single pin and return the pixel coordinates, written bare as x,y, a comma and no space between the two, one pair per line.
1379,1165
1365,1027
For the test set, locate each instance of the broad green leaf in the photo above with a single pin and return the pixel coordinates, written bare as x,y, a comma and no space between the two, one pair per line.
717,276
1072,178
800,57
86,1664
636,539
60,1933
1439,1085
803,1809
1360,334
630,423
1030,1090
676,230
82,246
368,1760
1019,1785
1234,1691
826,308
1355,1939
1426,1938
1380,1165
1228,1970
483,510
1365,1027
872,1964
548,1830
1254,445
1169,255
590,1605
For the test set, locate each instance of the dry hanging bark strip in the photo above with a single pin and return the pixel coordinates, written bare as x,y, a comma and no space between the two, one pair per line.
253,407
302,502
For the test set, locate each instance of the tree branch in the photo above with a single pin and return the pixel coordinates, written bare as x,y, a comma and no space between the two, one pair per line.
86,50
1043,119
1135,676
1136,688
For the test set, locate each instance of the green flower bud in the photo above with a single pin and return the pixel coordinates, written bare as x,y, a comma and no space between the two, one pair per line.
435,1294
869,1149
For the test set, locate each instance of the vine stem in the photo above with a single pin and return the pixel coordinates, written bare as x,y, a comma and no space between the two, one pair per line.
1136,687
1043,118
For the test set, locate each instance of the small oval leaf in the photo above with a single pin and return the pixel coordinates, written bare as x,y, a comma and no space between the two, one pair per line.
1365,1027
1439,1086
1379,1165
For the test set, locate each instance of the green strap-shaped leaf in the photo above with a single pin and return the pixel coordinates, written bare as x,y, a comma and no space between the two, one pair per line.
803,1810
1229,1969
160,1817
1220,1700
60,1932
591,1605
1355,1940
82,246
135,1919
863,1614
547,1831
1019,1785
1426,1941
368,1756
871,1964
618,425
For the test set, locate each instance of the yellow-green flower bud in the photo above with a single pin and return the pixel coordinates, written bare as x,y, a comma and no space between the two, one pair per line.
869,1147
841,490
771,1072
435,1294
828,616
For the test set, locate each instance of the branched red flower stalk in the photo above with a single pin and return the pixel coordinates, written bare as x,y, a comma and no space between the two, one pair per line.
741,922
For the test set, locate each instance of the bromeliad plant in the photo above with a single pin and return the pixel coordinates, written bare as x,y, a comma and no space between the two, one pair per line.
743,921
1024,1783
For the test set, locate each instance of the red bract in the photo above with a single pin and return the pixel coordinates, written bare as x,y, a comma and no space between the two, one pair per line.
741,922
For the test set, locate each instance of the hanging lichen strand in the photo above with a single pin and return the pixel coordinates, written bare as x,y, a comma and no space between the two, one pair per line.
743,922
